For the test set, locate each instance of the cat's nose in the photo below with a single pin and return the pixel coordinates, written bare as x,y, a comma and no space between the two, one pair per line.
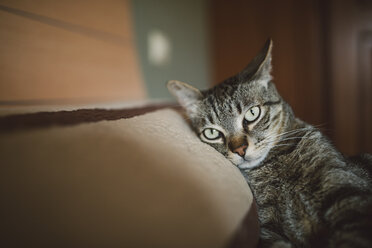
241,150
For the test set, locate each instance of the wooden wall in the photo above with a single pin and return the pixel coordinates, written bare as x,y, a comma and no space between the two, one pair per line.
314,57
71,50
350,45
239,30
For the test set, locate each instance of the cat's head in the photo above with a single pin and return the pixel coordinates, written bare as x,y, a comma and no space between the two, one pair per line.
241,117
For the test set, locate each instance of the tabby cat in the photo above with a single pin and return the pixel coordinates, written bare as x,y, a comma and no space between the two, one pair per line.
308,194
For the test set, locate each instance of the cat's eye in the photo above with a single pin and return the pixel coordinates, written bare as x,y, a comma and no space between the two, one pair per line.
252,114
211,134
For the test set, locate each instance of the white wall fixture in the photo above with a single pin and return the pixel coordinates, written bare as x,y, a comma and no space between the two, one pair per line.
159,48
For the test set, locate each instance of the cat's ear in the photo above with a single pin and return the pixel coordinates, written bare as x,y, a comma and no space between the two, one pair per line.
260,66
186,94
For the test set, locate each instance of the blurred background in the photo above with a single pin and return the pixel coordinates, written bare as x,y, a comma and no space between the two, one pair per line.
80,51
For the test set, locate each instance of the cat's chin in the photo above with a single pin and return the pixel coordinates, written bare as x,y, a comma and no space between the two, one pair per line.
250,163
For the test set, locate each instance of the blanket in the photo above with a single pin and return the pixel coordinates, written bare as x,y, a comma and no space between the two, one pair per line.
145,181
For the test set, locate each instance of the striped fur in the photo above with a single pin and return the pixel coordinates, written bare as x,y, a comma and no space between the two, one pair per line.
308,194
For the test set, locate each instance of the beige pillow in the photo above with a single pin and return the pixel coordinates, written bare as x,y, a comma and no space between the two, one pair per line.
141,182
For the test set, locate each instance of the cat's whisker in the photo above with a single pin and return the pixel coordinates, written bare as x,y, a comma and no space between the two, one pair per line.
272,138
286,134
274,146
285,139
292,131
280,145
292,138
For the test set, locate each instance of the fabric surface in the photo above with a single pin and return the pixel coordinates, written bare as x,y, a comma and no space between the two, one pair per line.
145,181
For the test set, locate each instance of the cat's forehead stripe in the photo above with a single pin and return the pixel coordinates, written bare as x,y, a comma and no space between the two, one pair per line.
229,106
238,107
210,118
211,105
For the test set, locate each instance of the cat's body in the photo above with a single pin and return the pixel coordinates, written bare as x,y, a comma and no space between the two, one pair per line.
313,197
308,194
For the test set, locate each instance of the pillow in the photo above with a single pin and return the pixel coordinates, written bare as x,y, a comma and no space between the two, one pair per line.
145,181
